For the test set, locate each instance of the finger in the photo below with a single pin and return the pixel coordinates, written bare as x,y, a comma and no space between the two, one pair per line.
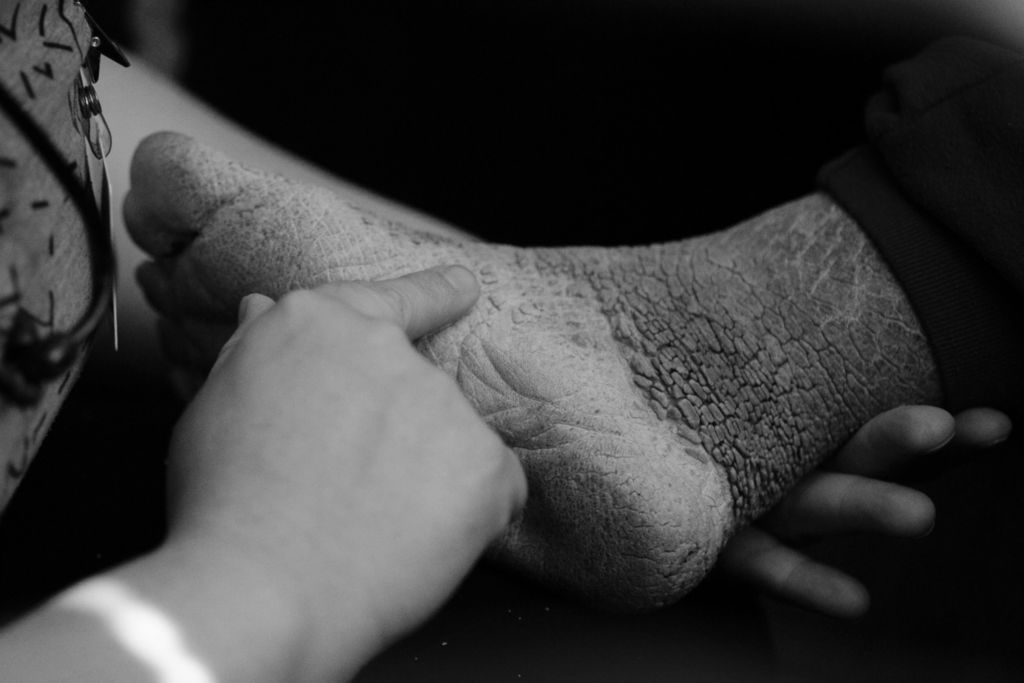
185,383
419,303
978,428
192,344
829,503
250,308
508,494
890,441
759,559
518,483
175,345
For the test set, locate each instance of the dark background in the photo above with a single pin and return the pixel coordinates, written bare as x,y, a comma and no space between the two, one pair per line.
560,122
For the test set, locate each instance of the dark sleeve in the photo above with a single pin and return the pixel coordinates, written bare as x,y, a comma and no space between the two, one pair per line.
939,187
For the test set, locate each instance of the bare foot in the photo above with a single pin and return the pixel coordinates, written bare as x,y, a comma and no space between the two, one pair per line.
659,396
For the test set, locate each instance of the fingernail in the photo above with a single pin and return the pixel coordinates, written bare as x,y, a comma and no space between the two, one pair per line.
245,308
1006,434
945,442
251,306
460,278
992,444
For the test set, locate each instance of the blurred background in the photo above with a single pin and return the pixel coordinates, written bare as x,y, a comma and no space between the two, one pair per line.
563,122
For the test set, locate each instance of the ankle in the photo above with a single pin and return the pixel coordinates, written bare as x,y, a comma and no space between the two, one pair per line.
768,343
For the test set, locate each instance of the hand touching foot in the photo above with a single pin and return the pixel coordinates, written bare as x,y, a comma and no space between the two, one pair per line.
659,397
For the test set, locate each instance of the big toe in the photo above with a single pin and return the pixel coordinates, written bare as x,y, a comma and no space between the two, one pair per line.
176,185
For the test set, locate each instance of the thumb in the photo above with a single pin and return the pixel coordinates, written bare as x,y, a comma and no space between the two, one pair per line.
250,308
419,302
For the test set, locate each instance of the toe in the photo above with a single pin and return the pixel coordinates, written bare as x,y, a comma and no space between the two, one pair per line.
156,287
176,185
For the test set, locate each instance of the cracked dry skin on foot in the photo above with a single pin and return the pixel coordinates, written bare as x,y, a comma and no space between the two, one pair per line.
659,396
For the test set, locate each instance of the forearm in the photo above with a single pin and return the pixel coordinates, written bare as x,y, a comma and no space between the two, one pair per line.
173,615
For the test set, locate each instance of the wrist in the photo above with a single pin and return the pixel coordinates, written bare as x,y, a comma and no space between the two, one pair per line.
270,607
232,615
179,613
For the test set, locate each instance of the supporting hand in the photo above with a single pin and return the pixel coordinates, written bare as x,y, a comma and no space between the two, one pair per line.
850,494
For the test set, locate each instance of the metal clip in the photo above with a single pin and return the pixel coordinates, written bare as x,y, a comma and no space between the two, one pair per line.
105,215
101,45
87,118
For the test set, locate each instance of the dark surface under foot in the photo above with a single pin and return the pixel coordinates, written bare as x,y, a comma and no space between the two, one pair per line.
947,608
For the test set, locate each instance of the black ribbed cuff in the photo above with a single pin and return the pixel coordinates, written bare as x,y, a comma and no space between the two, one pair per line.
972,322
